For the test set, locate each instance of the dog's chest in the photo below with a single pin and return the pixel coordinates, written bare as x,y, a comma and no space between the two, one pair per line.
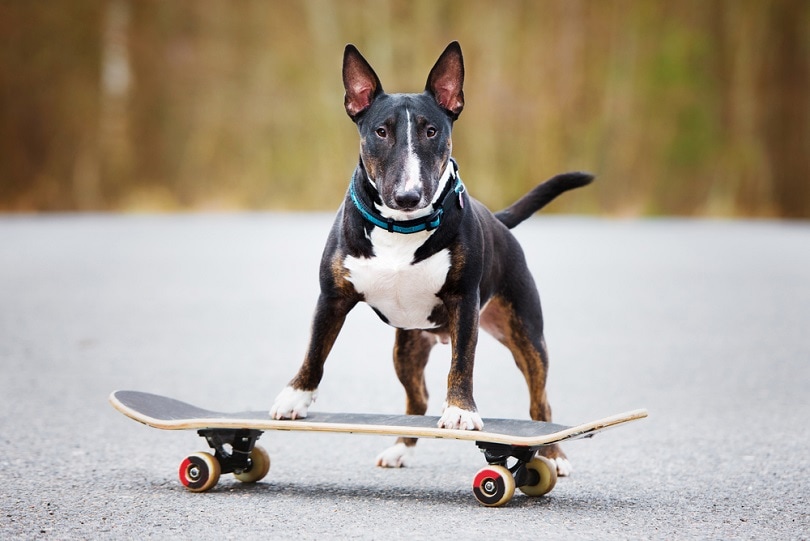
404,293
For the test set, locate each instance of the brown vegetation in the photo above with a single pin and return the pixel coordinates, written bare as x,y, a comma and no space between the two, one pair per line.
698,107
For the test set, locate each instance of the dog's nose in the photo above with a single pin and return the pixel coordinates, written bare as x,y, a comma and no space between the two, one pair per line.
407,199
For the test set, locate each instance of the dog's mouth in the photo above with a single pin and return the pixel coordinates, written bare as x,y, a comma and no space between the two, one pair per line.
397,213
411,202
406,202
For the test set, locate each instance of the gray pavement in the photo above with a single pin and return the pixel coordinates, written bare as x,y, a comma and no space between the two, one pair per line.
705,323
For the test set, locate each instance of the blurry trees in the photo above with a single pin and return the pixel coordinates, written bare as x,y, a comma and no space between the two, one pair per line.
699,107
49,104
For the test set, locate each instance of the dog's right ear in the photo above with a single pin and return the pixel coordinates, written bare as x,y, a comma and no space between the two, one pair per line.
360,82
446,80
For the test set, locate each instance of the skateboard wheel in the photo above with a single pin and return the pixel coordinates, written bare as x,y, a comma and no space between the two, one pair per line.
493,486
259,466
199,472
546,471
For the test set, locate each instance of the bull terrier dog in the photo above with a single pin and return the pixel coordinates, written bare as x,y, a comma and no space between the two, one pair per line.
430,260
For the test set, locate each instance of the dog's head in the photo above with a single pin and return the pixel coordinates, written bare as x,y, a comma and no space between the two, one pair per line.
405,139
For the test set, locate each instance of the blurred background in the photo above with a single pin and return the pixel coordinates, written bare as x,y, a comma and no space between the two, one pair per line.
693,108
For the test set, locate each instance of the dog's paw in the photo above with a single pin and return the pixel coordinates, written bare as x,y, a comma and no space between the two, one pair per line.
292,404
564,467
396,456
454,417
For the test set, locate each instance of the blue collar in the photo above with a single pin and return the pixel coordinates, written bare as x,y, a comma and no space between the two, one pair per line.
425,223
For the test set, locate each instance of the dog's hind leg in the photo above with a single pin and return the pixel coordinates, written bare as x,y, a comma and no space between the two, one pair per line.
411,353
518,330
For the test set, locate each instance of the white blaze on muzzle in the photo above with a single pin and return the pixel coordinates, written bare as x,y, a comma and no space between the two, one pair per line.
394,214
413,166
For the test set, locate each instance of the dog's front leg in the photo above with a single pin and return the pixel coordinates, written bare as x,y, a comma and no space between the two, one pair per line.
459,409
294,401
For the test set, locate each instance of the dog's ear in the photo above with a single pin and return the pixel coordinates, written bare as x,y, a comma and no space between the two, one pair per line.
360,82
446,80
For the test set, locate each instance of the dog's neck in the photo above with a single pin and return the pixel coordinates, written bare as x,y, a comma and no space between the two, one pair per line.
426,219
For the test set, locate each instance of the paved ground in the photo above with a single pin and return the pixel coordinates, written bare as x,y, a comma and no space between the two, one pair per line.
707,324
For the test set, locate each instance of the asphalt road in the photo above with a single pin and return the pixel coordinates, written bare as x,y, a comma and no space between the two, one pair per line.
705,323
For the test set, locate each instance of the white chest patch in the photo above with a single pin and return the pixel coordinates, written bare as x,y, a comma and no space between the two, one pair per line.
404,293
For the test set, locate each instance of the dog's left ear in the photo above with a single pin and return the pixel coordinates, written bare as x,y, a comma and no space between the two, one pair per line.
446,80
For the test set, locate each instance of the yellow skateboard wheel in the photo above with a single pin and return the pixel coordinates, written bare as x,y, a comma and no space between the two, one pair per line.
260,465
546,472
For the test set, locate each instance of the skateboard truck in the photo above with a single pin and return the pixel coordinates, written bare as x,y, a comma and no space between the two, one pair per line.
235,451
495,484
232,448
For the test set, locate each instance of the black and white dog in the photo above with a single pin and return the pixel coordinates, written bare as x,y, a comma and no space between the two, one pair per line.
429,259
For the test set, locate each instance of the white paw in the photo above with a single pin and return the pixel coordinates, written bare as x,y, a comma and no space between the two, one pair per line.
564,467
292,404
396,456
458,418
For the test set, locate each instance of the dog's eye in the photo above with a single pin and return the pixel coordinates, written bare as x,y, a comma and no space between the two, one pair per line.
381,133
431,132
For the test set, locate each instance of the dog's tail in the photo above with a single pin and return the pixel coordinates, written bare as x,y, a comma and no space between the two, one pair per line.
540,196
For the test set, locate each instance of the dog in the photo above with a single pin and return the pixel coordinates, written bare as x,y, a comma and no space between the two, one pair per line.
430,260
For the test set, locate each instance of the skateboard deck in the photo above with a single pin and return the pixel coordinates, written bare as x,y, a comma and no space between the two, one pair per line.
233,437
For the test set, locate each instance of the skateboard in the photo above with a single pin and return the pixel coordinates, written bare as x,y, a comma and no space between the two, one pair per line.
233,438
